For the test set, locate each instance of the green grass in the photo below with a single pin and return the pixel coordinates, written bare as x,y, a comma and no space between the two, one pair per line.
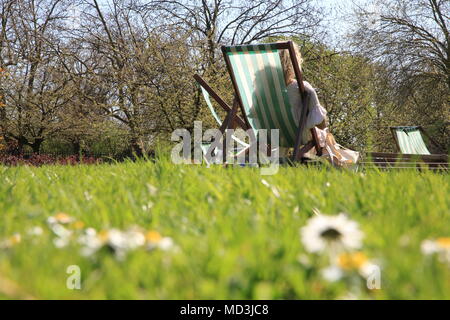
236,239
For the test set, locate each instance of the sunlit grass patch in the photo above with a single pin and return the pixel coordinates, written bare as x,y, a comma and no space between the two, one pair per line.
233,233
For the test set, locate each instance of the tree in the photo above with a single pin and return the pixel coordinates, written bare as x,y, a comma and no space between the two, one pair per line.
2,115
411,38
144,76
35,89
216,22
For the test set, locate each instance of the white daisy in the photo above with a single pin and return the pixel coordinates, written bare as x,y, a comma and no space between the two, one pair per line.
429,247
119,241
134,238
63,235
336,233
90,242
60,231
61,242
332,273
439,246
165,244
61,218
116,239
156,241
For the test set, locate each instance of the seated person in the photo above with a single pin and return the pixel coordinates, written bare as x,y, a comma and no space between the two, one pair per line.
316,116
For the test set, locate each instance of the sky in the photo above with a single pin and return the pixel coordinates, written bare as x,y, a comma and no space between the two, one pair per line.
338,21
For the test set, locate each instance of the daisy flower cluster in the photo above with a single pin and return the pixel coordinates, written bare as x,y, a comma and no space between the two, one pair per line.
18,238
339,239
64,227
69,231
121,242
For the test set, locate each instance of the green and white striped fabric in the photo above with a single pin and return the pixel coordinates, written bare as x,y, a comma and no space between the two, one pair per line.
260,81
210,106
410,140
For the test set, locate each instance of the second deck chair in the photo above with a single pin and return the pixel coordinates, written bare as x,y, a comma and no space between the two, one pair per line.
413,149
234,121
258,81
409,140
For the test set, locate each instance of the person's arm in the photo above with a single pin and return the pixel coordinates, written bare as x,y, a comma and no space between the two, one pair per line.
314,103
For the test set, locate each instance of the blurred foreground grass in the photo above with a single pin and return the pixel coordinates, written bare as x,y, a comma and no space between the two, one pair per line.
236,232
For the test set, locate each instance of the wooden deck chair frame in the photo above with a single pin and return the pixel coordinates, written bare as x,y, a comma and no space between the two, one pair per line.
401,160
232,120
288,45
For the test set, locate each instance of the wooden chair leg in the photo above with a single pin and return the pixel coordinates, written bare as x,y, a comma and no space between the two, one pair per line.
314,143
297,154
300,152
306,148
239,122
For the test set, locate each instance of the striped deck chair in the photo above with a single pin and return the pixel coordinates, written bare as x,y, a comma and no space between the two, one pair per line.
409,139
235,121
258,81
412,147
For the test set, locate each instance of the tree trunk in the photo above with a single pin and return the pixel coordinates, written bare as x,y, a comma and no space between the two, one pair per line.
36,145
76,146
21,142
136,147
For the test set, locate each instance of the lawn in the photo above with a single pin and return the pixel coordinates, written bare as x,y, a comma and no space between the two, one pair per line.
229,233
